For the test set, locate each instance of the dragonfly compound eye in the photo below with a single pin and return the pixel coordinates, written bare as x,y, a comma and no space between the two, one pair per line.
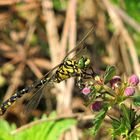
83,62
87,62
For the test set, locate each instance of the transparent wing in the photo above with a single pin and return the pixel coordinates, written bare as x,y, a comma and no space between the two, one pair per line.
34,100
79,47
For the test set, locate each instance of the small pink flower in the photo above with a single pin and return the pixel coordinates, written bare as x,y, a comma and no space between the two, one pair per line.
129,91
97,106
133,80
115,80
86,90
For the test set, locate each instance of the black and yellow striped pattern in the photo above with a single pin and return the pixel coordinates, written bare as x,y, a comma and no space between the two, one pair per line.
12,99
66,70
69,68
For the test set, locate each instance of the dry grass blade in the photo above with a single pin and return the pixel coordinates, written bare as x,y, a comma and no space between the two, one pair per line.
15,81
8,2
51,28
5,47
33,50
42,63
9,55
34,68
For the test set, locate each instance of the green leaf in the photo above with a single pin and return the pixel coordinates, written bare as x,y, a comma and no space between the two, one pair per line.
49,130
59,128
126,113
137,120
126,124
136,100
115,122
109,73
5,136
98,120
121,129
5,131
4,126
133,137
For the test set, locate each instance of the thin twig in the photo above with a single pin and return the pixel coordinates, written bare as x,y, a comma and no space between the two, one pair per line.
34,68
65,31
42,63
51,30
71,18
71,13
15,81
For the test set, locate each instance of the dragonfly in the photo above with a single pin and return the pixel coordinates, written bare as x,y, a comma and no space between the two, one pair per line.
66,69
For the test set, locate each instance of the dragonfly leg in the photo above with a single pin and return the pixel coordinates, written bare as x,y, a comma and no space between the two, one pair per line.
79,82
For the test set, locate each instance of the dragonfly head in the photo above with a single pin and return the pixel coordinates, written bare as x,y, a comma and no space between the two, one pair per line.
83,62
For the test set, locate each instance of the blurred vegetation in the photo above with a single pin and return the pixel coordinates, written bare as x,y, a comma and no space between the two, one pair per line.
26,54
47,130
132,8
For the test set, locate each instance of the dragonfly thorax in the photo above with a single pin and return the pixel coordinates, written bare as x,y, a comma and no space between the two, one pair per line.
83,62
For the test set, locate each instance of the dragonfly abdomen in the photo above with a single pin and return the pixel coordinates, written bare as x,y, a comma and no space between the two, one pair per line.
19,94
12,99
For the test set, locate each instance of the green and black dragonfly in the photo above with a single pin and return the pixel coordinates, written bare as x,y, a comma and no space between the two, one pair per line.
67,68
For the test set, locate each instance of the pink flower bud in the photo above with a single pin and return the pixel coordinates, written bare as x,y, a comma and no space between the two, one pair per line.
115,80
133,80
129,91
86,90
97,106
